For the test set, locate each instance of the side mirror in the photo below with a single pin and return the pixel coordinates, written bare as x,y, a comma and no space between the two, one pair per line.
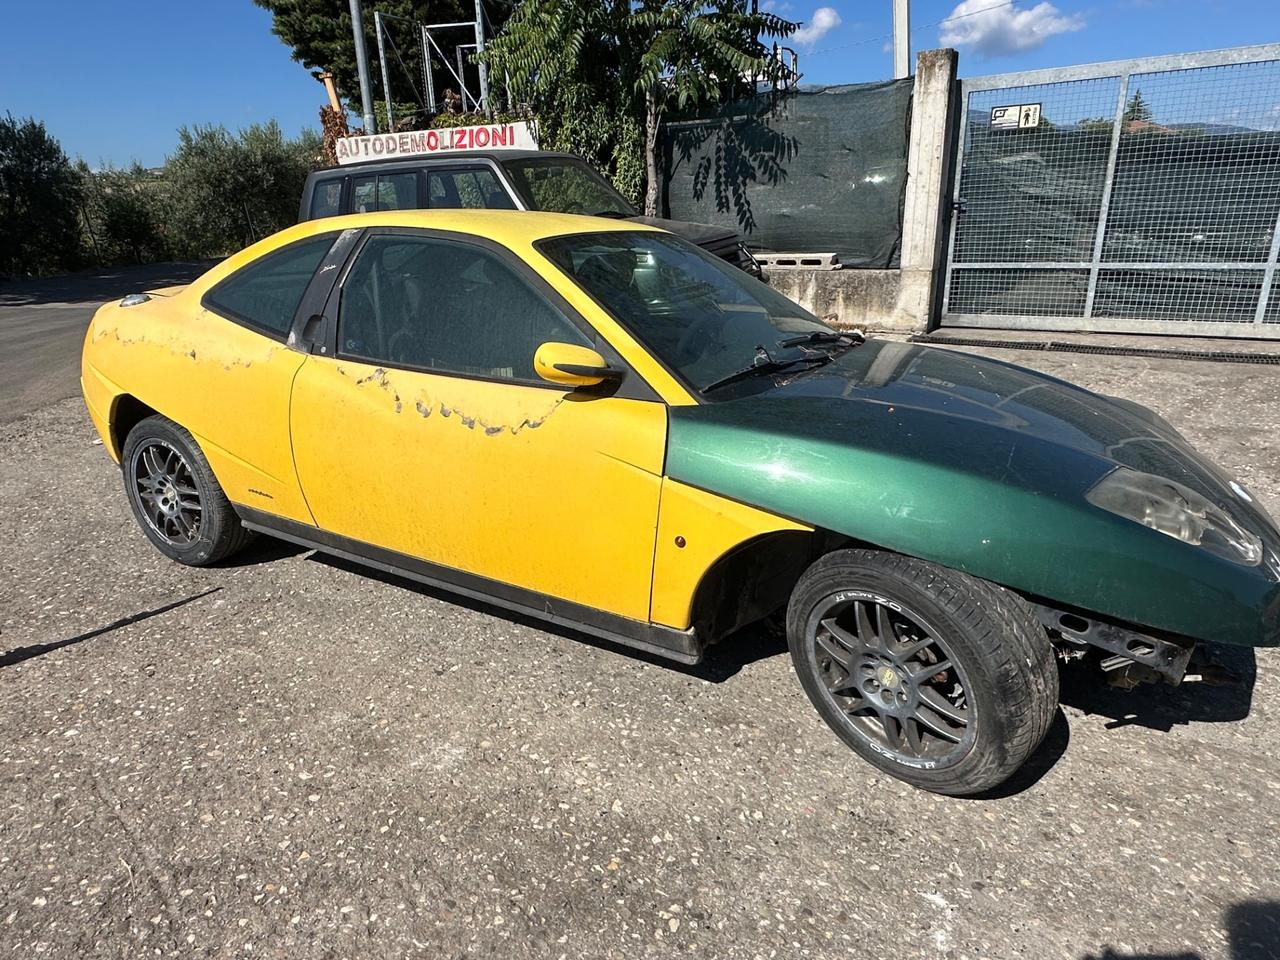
572,366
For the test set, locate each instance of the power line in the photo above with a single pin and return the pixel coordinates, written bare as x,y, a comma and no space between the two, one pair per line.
923,26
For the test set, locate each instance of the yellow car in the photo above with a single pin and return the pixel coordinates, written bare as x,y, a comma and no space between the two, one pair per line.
603,426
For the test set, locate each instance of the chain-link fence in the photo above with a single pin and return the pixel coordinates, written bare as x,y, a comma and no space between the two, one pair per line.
1136,196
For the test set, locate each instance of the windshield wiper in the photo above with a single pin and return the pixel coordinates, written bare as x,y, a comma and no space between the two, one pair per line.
819,337
611,214
764,365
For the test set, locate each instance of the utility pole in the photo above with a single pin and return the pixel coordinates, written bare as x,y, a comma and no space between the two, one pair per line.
382,62
901,39
362,67
484,71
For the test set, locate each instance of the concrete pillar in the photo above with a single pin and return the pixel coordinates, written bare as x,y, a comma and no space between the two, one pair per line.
925,205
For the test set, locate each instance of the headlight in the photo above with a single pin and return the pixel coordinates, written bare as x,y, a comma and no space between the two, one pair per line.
1176,512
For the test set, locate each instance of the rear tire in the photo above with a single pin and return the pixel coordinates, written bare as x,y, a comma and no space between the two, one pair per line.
937,678
175,497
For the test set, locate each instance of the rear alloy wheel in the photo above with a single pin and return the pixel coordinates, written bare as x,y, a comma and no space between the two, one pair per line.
935,677
175,497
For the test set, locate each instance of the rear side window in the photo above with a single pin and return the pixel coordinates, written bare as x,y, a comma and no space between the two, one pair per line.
326,199
390,191
467,187
265,294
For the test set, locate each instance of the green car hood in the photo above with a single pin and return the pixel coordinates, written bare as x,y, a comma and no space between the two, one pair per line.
983,466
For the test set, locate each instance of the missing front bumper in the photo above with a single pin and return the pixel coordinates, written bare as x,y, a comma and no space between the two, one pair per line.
1135,657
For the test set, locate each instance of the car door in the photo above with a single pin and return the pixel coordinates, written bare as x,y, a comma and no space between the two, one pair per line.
426,432
231,387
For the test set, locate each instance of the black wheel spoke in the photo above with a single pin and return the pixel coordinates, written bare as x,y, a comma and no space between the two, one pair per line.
884,627
841,684
927,718
935,701
930,669
866,632
915,739
831,645
841,635
892,731
914,647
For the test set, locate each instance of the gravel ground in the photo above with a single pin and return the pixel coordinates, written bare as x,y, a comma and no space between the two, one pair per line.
287,757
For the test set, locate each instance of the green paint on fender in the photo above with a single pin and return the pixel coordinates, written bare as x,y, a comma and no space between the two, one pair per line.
983,466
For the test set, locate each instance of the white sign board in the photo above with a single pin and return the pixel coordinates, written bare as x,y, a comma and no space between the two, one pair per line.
422,143
1015,116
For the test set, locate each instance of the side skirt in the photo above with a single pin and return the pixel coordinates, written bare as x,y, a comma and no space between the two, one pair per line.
683,646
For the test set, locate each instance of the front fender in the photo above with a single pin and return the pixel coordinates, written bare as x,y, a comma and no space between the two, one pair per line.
1011,510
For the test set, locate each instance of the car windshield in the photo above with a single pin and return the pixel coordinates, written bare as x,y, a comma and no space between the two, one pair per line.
706,320
566,185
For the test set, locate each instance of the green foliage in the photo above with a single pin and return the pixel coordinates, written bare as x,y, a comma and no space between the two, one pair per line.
600,76
40,198
126,215
1137,109
227,192
444,120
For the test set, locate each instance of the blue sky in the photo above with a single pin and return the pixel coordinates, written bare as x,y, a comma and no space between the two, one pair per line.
113,81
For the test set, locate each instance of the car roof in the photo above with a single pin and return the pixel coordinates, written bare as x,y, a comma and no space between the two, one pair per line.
508,227
514,229
447,156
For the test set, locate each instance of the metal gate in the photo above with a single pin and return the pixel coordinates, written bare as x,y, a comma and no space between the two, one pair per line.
1139,196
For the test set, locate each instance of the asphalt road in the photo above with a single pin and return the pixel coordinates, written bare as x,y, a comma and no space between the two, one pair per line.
288,757
42,324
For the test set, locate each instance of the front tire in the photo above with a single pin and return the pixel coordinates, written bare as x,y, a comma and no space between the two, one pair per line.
175,497
937,678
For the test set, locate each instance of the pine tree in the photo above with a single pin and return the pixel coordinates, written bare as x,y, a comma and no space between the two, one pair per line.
1137,109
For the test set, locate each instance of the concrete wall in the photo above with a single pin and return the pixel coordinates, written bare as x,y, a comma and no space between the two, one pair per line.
900,299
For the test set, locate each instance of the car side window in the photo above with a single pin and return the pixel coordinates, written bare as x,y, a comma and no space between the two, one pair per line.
326,199
364,194
389,191
467,187
266,293
398,191
445,306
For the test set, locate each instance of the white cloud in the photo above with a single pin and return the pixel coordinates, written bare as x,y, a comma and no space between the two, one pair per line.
993,31
823,21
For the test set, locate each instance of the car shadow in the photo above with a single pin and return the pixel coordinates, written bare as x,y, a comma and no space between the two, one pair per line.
1253,933
1161,706
263,549
722,661
21,654
1044,759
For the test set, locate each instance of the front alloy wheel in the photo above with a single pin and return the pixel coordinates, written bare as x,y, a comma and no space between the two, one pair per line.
940,679
893,681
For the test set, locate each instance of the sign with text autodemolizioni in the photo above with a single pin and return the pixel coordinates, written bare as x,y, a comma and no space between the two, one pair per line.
419,143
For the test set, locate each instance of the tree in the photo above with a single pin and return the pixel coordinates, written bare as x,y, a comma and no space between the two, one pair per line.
40,200
601,76
1137,109
126,215
319,31
230,191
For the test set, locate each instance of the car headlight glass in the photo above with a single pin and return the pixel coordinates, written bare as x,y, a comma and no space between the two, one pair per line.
1177,512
